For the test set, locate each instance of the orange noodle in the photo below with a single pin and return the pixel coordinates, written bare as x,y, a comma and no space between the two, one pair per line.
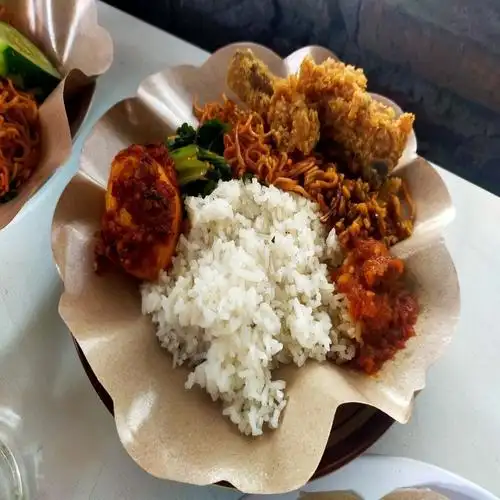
350,205
19,138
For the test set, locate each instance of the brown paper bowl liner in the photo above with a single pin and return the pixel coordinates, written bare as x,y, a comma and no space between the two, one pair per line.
355,427
69,35
181,435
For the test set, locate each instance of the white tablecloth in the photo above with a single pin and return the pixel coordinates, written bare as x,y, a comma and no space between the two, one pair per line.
67,436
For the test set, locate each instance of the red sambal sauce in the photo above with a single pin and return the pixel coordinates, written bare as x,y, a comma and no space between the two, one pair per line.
146,198
373,282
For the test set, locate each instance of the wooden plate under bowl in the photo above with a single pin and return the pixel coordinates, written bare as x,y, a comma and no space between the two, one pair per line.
355,428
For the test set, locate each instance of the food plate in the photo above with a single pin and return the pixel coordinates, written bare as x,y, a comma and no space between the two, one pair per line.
355,428
70,50
180,435
371,477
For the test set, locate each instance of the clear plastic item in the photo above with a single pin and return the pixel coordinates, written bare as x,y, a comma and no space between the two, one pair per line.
12,474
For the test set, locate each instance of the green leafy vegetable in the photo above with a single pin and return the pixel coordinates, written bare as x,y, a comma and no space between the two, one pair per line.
185,135
198,157
208,187
218,162
210,136
184,153
194,188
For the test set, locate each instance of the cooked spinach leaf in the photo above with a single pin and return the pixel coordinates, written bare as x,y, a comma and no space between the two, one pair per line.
198,157
210,136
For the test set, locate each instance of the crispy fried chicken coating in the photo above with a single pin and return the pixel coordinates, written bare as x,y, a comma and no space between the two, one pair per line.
250,79
331,78
295,125
369,132
328,100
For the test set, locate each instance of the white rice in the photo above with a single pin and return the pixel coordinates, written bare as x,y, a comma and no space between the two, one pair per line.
249,290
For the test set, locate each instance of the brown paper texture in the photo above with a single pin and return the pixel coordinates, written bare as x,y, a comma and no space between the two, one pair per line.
414,494
68,34
181,435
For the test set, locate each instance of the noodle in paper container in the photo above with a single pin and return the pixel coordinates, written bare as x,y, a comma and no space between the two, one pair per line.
149,160
52,52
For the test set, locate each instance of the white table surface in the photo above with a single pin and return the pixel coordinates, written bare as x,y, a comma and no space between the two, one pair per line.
66,435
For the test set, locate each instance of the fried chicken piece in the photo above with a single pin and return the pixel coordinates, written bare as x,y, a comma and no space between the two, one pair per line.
143,212
373,137
370,133
250,79
294,124
330,78
328,99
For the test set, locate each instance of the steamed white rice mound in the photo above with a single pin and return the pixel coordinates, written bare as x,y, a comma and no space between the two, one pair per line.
249,290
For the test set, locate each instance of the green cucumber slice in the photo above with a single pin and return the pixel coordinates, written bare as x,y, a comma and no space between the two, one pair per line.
23,62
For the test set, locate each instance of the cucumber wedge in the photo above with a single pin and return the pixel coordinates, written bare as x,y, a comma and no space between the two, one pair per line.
23,62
